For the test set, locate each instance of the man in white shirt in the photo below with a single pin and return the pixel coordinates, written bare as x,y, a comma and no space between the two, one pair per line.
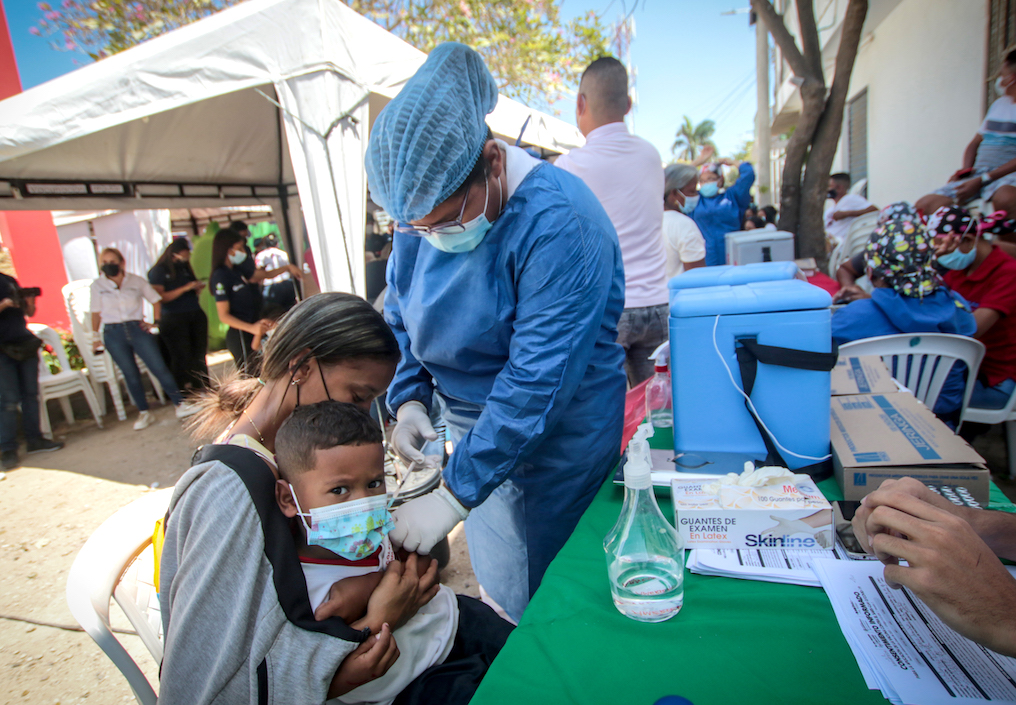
845,209
626,174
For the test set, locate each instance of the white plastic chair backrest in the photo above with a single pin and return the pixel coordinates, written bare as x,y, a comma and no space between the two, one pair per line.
94,576
51,338
992,416
922,361
77,298
858,187
859,233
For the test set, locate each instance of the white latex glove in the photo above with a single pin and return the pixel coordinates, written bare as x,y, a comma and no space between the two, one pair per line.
422,522
412,429
785,526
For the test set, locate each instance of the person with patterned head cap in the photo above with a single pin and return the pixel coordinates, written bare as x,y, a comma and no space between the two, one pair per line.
505,285
983,274
908,296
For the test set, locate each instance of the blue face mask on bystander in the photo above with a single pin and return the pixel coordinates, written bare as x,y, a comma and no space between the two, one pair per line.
957,260
709,190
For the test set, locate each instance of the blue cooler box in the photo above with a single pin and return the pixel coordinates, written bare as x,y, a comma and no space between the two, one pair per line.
713,430
730,275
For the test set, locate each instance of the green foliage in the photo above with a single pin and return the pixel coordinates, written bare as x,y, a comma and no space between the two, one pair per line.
104,27
533,55
70,347
691,138
744,153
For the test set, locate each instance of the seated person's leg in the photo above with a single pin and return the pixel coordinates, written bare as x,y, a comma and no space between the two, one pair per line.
479,638
1004,199
984,397
932,202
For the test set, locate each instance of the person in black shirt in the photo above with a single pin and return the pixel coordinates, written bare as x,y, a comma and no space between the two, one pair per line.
183,326
237,296
19,375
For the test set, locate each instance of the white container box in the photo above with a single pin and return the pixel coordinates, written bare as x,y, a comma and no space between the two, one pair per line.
792,514
751,246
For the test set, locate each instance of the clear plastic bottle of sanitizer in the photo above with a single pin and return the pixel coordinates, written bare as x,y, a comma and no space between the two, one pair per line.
645,555
659,398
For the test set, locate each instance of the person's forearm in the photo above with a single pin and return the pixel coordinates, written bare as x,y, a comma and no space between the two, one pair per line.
997,529
970,154
354,595
234,322
96,322
999,171
157,311
175,294
846,276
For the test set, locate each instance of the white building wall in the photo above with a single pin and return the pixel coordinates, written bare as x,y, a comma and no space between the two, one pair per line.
923,67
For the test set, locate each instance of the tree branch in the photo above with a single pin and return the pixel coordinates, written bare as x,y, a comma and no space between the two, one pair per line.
782,36
810,45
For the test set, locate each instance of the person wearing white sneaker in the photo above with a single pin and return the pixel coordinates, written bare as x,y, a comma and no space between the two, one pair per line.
117,300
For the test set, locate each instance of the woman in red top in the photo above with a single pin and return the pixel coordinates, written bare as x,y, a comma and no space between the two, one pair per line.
986,277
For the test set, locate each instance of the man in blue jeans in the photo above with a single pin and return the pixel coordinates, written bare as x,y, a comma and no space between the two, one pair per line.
117,304
19,375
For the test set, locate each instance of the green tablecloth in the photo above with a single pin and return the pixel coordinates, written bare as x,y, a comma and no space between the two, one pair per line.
734,641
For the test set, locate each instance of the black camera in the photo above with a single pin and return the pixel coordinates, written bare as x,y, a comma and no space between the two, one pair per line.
21,295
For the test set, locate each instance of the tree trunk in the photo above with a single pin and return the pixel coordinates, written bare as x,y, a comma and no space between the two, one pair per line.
812,98
811,233
812,147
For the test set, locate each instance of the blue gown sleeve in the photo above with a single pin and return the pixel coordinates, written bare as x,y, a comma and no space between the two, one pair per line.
562,290
412,382
740,191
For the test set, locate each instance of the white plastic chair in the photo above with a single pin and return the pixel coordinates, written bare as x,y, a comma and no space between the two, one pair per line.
854,241
101,369
922,361
62,384
117,562
1006,415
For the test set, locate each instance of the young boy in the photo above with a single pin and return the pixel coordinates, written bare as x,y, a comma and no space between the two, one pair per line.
331,462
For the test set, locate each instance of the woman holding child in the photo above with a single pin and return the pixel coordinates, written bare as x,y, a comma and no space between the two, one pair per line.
238,621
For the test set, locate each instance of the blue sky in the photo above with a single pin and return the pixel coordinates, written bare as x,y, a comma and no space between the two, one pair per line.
691,60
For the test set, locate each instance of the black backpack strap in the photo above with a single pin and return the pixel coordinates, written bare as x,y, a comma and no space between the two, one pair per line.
749,354
280,550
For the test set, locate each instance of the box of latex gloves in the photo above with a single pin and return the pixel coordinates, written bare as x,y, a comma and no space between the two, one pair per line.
765,508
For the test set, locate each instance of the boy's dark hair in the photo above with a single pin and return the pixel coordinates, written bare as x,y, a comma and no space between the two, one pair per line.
770,214
318,427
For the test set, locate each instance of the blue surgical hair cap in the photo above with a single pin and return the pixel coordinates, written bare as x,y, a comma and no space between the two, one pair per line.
426,141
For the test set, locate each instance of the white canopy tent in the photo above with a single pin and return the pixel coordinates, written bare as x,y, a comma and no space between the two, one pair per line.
265,103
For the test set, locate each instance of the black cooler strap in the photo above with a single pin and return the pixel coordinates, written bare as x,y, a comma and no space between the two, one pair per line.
749,354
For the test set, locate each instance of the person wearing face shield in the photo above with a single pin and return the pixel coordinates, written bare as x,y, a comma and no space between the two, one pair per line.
989,161
686,248
505,285
980,272
719,210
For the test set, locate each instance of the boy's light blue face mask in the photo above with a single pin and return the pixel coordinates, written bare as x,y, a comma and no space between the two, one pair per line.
709,190
957,260
353,530
473,232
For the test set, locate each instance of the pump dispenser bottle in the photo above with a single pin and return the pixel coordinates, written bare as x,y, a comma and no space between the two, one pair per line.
645,555
659,398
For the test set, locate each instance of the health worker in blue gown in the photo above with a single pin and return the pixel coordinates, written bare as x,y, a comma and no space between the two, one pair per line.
719,211
505,285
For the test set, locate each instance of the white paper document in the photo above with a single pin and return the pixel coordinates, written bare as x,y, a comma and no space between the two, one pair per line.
773,565
903,649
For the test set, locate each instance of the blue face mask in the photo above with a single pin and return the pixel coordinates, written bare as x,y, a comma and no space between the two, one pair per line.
958,260
238,257
689,204
473,233
709,190
353,530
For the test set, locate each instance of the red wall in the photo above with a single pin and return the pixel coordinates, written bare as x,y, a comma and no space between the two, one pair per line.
31,235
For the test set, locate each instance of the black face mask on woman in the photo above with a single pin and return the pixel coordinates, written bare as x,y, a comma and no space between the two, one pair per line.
110,269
